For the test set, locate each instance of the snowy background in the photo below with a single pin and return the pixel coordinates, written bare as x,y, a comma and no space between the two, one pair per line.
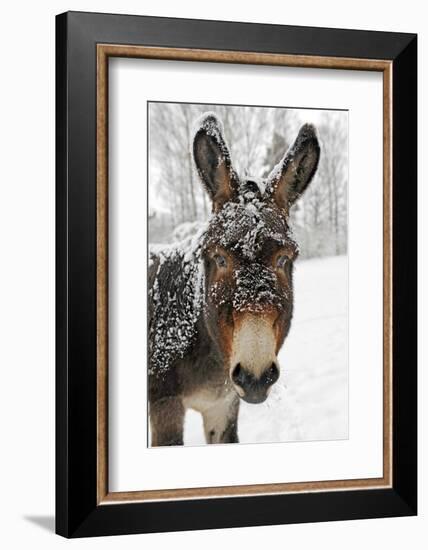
310,400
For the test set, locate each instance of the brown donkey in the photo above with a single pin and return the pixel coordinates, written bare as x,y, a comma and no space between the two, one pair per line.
220,304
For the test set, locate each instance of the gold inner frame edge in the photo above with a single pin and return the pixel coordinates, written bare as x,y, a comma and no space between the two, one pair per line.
104,51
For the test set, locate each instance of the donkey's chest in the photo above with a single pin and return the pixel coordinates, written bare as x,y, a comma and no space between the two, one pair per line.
205,399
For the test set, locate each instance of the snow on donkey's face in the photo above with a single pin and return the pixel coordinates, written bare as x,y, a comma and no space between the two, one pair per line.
248,253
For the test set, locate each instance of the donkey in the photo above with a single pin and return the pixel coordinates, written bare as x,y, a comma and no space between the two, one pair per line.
221,304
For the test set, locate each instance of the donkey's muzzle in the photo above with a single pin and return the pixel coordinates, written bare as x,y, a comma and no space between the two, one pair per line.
254,389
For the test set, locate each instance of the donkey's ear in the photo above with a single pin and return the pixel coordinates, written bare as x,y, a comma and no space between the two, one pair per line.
289,179
212,160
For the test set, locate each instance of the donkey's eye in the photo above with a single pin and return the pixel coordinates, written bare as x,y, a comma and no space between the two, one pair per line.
281,261
220,261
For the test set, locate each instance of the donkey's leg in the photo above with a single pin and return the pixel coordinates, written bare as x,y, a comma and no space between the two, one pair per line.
167,421
221,422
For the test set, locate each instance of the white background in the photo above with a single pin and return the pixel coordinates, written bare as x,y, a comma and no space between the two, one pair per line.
27,273
132,82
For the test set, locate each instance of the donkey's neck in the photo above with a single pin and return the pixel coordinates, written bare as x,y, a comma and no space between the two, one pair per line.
175,300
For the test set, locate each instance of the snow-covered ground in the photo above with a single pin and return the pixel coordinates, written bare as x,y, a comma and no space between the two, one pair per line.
310,400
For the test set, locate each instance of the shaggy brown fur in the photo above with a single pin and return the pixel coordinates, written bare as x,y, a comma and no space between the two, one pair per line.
219,311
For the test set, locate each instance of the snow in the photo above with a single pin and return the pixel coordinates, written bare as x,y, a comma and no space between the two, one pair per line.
185,231
238,227
255,287
176,306
310,400
260,182
212,126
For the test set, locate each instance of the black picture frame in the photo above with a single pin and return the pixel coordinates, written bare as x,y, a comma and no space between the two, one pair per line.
77,511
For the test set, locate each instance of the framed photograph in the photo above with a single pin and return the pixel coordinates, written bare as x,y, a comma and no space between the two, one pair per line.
236,274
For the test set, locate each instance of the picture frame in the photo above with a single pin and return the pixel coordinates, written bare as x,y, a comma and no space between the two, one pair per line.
84,44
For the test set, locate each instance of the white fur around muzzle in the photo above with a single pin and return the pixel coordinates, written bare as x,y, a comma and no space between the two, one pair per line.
253,345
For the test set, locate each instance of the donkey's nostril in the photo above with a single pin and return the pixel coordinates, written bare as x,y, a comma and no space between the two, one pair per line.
237,374
272,374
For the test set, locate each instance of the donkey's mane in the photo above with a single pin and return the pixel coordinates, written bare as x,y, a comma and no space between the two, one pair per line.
245,224
176,279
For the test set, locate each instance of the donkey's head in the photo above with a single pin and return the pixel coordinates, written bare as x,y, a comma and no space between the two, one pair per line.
248,253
